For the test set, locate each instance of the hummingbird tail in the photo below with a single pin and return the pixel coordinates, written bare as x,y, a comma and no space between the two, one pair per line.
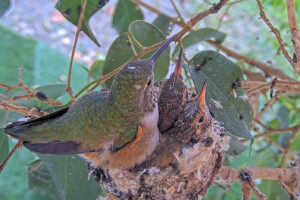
161,49
34,136
31,140
56,148
28,129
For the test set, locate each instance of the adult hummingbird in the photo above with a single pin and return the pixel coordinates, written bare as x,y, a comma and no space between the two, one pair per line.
111,129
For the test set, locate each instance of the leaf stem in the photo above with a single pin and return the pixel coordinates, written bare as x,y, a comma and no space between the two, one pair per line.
81,17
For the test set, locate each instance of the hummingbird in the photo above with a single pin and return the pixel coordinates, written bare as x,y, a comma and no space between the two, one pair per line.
115,128
172,98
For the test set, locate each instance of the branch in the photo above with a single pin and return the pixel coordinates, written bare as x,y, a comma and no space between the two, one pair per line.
246,190
276,32
190,24
81,17
31,94
20,109
28,112
268,69
283,86
288,146
17,146
295,33
155,10
288,176
214,9
277,131
178,13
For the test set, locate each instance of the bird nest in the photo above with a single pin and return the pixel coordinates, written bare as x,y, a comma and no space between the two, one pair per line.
184,164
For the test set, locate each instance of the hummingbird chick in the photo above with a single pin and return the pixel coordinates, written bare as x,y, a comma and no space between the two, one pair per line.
115,128
172,98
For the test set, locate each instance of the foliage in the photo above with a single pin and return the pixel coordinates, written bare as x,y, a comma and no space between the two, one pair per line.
46,69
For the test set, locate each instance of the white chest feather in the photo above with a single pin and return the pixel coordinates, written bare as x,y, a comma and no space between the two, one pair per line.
150,120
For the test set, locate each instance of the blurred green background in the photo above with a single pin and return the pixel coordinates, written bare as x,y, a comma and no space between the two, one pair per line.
33,35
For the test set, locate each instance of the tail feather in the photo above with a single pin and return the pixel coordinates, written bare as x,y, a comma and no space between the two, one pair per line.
57,148
32,129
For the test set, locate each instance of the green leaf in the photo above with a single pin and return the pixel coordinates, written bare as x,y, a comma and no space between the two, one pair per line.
163,23
70,9
119,52
52,91
70,177
283,117
4,5
296,144
200,35
96,70
14,178
126,12
146,34
236,147
6,117
54,108
3,146
273,190
41,180
231,106
30,194
41,64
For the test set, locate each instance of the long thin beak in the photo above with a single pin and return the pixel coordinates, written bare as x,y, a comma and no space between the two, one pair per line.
201,96
177,70
161,49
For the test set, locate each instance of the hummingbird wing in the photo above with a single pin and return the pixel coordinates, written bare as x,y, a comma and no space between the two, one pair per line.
77,129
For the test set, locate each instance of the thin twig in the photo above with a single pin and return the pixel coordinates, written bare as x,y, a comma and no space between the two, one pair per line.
155,10
257,88
268,105
246,190
190,24
294,32
290,86
20,109
229,5
35,167
288,189
34,96
18,145
31,94
287,148
276,32
276,131
177,11
142,52
256,191
16,108
81,17
214,9
268,69
21,84
280,148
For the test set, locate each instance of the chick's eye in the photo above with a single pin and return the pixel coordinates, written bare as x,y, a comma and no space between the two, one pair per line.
149,82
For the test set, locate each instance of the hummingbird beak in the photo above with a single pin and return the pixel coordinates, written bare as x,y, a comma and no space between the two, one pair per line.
177,70
161,49
201,96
